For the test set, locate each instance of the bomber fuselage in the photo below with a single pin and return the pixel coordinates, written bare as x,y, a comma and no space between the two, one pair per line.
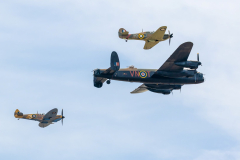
145,76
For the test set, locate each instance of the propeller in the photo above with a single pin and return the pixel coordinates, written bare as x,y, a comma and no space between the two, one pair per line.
170,36
198,59
62,117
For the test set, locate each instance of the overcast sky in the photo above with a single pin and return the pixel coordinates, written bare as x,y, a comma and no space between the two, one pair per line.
48,49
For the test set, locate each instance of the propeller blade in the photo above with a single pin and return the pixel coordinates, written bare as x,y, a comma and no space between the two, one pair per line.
62,117
170,36
198,57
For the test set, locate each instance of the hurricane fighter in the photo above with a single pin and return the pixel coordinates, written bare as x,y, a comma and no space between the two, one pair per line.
170,76
150,38
44,119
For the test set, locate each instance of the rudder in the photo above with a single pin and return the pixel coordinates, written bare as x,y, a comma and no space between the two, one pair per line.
122,32
18,114
115,64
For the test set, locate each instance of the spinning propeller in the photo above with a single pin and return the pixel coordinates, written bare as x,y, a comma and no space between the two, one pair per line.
170,36
198,59
199,63
62,117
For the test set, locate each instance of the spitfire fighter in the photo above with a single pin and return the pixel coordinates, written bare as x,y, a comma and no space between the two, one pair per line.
150,38
44,119
171,75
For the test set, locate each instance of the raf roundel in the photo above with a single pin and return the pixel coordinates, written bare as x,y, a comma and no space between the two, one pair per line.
140,36
34,116
143,74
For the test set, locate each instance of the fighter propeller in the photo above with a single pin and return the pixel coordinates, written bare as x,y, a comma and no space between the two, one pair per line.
62,117
170,36
198,59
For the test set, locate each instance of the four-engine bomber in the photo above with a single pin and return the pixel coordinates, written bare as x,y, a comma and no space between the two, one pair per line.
171,75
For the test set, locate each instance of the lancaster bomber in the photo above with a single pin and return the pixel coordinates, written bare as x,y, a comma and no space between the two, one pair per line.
150,38
171,75
44,119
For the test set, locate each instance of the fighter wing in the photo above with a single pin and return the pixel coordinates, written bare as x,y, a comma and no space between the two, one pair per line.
140,89
149,45
50,115
180,54
158,35
41,124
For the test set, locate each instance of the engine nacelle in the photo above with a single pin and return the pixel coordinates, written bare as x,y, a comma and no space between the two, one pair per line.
163,91
183,73
188,64
160,86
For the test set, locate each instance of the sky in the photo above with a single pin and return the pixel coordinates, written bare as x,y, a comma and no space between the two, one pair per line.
49,48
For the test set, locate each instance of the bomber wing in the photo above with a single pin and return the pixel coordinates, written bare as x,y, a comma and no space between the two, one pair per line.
179,55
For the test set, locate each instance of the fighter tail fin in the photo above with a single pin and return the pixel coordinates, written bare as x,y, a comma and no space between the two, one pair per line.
122,32
18,114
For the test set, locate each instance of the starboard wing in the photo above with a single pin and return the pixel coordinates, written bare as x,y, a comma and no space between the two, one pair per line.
158,35
50,115
179,55
149,45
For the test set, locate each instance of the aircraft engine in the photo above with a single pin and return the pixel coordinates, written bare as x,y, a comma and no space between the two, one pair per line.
163,91
162,87
189,64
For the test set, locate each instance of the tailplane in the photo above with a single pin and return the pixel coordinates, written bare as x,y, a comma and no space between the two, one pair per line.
18,114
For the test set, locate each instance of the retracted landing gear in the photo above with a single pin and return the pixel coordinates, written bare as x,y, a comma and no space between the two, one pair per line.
108,81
